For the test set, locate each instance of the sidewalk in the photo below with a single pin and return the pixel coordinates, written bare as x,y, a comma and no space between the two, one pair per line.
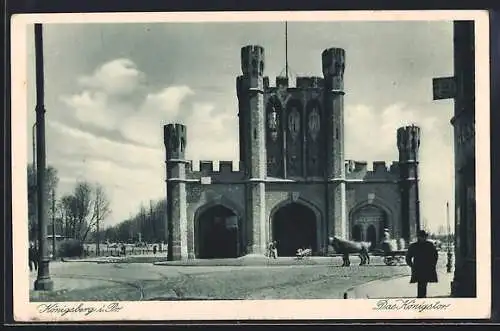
401,288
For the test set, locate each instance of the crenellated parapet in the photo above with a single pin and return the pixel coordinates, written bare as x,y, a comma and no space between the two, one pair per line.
380,170
229,171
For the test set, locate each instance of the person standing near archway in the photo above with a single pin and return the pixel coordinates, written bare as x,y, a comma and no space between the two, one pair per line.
422,257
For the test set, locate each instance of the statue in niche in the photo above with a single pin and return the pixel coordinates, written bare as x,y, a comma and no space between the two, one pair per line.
273,124
314,123
294,123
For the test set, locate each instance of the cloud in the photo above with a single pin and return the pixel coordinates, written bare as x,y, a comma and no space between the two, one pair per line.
117,77
145,125
132,170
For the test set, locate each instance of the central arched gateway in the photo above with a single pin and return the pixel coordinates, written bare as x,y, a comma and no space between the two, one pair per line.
294,227
217,233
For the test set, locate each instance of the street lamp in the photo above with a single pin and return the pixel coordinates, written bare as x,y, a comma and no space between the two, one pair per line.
449,254
43,281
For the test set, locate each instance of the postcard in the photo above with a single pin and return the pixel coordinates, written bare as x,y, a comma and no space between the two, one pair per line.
251,166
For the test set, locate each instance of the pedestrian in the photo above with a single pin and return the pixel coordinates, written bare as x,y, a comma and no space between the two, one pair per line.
422,258
273,249
154,249
32,257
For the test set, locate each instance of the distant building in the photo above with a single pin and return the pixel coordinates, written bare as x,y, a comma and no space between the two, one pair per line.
293,184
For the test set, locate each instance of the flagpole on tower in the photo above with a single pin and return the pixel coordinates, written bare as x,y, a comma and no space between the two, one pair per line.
286,50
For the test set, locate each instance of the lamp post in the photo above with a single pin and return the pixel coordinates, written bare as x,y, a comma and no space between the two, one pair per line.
449,254
43,281
35,212
54,224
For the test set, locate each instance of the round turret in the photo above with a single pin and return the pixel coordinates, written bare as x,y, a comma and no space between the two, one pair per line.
174,136
408,140
252,60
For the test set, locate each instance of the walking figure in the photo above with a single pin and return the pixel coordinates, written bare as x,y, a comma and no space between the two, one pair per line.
32,257
273,249
422,257
154,249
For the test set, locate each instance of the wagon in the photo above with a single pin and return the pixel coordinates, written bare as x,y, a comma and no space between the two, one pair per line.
391,256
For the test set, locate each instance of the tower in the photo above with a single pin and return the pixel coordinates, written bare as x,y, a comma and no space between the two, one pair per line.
175,144
408,140
333,60
250,89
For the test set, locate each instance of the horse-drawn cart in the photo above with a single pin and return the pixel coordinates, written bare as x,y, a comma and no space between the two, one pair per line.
392,257
391,254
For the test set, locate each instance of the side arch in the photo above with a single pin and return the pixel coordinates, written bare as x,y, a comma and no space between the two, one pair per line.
386,212
376,203
219,201
202,228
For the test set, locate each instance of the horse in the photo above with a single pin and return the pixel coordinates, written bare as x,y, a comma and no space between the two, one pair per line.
345,247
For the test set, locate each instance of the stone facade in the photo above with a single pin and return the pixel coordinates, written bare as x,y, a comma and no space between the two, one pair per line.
293,184
463,121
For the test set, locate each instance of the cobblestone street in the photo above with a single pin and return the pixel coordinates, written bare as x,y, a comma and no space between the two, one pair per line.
318,278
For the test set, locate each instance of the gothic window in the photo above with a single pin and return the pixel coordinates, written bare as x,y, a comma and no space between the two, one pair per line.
337,133
261,68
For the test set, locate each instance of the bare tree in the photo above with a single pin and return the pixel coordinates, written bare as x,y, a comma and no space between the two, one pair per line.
84,209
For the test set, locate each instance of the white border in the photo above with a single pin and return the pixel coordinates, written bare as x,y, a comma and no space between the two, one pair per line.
266,309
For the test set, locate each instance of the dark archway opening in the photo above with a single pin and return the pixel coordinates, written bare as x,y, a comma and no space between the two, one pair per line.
294,227
218,234
356,233
371,235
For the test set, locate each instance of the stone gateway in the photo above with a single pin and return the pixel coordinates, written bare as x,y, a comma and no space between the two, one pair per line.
293,185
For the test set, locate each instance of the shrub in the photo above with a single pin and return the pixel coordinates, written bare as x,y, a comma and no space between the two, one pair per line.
70,248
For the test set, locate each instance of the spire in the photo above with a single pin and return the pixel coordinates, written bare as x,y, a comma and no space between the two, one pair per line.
288,71
286,49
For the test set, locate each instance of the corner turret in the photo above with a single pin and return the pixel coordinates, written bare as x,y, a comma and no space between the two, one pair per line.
175,138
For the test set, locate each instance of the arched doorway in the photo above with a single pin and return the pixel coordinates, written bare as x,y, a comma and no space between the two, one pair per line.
370,220
294,227
356,232
371,235
217,233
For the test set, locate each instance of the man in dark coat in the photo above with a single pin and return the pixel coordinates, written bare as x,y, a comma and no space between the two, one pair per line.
422,257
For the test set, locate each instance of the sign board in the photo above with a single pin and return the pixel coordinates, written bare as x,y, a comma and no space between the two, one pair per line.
444,88
232,222
206,180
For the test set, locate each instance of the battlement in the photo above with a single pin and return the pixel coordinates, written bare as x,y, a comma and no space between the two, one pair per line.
175,137
380,170
408,142
227,171
333,60
309,82
252,60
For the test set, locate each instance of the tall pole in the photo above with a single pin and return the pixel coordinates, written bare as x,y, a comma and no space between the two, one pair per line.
449,254
97,248
43,281
35,213
286,50
53,224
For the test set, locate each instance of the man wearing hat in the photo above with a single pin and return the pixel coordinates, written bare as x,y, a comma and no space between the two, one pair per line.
422,257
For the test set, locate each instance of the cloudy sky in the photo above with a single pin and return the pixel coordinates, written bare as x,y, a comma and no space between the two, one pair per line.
111,87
